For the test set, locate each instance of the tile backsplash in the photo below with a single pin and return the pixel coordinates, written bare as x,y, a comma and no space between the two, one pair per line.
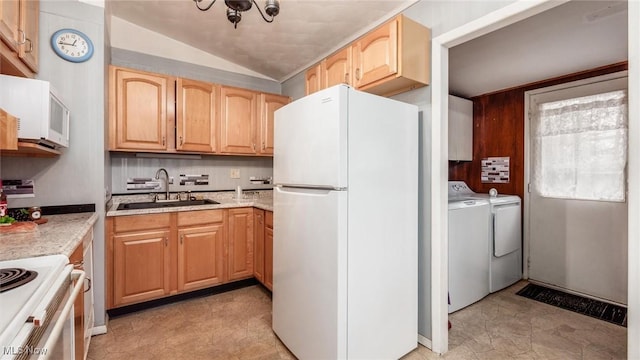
218,170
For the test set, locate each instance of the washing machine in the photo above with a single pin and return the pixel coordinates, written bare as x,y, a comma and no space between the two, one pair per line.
505,234
468,251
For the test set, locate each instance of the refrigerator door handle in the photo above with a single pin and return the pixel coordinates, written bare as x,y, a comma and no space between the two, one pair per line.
313,187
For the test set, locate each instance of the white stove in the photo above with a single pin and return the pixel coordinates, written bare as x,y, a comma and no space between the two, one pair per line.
37,316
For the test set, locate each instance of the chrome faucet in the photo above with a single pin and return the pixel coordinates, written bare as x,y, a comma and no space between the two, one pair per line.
166,182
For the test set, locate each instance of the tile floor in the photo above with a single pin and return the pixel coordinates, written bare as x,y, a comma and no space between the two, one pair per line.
237,325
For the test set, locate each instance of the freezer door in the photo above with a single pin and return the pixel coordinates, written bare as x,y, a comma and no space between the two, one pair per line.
310,140
309,272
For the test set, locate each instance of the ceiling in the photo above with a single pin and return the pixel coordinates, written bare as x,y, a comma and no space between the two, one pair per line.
572,37
576,36
304,32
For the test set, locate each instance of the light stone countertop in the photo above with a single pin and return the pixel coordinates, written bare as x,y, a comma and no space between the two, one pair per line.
261,199
60,235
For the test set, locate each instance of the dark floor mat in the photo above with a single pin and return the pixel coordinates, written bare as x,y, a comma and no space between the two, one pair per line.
600,310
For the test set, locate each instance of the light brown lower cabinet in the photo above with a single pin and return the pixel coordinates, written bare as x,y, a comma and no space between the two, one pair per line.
263,247
201,254
141,266
158,255
82,259
268,250
258,245
240,243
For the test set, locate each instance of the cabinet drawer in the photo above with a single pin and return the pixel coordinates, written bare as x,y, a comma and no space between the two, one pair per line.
142,222
187,218
268,219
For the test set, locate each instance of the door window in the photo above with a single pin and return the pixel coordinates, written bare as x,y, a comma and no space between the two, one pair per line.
580,147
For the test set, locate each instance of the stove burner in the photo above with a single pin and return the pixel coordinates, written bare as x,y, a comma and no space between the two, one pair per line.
13,277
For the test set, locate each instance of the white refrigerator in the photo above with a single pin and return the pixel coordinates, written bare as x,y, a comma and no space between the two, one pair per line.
345,252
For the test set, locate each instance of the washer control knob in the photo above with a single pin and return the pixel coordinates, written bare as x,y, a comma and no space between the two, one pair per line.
493,192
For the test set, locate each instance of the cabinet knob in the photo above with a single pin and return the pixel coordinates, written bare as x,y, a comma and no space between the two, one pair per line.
180,140
263,146
163,141
254,147
346,78
181,239
166,241
358,74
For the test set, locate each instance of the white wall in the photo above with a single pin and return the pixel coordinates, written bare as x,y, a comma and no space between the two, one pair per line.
76,176
152,43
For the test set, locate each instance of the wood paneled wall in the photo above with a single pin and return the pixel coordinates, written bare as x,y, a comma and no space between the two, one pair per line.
498,130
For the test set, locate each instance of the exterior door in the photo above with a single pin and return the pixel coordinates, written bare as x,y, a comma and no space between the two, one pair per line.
577,231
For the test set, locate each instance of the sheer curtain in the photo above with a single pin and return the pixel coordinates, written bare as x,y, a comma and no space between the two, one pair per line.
580,147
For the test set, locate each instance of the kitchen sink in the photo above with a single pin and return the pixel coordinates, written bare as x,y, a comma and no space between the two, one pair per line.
164,204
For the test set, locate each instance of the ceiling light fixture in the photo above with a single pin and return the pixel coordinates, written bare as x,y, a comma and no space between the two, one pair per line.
235,8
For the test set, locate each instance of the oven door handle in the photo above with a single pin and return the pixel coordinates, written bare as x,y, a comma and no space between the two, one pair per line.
78,276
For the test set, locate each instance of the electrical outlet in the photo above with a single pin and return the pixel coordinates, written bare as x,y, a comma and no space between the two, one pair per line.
235,173
170,179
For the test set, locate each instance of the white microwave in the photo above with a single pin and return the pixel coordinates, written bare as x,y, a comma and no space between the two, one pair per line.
42,116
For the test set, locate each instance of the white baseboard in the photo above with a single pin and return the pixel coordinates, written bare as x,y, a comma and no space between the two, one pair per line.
98,330
424,341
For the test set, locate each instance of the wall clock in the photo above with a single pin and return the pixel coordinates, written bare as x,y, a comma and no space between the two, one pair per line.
72,45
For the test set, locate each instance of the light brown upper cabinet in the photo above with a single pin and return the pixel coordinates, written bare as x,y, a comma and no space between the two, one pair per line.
269,103
196,105
388,60
10,23
238,120
337,69
141,109
29,19
151,112
19,36
392,58
313,79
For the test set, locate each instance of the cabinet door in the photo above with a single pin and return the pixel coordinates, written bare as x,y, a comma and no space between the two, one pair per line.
196,123
269,103
29,19
376,54
10,23
138,110
238,120
140,266
77,260
88,298
460,129
258,258
200,257
240,243
337,68
268,258
313,79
